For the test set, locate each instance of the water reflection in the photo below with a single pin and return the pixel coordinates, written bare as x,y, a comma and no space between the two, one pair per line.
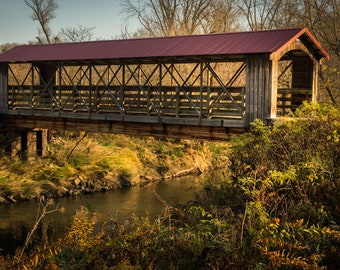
16,220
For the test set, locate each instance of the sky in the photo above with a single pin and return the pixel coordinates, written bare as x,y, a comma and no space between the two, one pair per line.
17,26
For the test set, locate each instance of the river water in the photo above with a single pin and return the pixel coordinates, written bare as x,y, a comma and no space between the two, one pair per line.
16,220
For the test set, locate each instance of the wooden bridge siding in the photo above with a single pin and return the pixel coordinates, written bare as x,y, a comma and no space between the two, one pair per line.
3,87
201,98
286,100
260,101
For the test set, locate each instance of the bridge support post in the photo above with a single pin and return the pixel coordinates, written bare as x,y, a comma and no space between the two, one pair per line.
15,146
26,143
20,144
41,142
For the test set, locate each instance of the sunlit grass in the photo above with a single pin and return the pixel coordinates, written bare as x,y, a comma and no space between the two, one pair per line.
73,157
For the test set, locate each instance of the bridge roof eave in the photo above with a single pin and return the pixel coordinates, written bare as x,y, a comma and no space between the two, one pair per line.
146,60
227,45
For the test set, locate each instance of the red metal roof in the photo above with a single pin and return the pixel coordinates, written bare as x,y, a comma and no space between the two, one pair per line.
177,46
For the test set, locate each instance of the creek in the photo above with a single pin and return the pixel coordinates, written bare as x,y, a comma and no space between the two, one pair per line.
17,220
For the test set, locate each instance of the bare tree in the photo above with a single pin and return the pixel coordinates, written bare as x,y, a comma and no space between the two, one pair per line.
260,14
157,17
77,34
43,12
323,18
221,17
287,16
191,14
178,17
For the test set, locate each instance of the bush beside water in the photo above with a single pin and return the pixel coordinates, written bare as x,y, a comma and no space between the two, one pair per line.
276,207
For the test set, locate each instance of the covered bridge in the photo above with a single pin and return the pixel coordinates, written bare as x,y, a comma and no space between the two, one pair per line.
199,86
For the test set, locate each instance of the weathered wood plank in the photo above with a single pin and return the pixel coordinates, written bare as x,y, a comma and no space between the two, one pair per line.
233,120
258,90
3,87
128,128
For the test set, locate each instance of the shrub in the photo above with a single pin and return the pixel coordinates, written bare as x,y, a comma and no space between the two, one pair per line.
278,210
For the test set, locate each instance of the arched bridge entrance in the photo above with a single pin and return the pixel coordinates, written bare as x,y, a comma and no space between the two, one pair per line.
203,86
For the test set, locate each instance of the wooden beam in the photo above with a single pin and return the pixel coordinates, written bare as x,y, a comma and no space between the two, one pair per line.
273,83
128,128
315,80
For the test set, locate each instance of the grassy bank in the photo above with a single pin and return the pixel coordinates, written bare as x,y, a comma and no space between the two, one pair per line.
82,163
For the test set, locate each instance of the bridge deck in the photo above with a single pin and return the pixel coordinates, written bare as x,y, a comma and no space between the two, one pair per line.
183,131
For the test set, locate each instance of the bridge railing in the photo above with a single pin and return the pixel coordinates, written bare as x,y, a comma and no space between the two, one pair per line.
289,99
197,93
166,101
189,102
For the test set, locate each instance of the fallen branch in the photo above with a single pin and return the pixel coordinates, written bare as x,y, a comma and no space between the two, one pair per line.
75,146
41,213
183,173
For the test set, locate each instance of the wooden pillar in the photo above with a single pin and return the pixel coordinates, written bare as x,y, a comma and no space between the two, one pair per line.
315,80
274,75
25,144
3,87
41,142
15,144
19,144
28,143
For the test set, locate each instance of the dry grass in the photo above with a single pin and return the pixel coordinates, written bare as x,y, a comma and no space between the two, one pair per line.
115,159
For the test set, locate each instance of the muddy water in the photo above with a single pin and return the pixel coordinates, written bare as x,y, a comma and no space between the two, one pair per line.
16,220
